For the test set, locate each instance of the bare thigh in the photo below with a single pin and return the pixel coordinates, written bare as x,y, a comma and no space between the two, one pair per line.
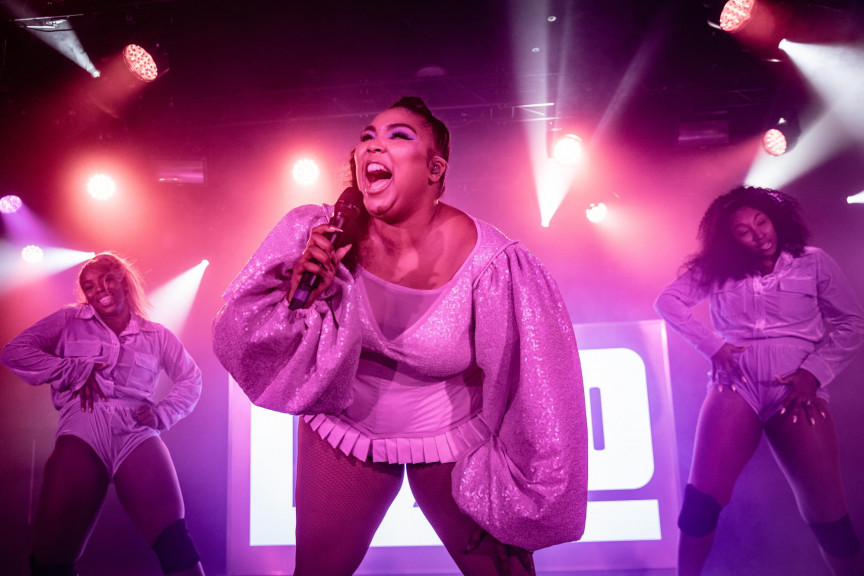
727,435
148,488
432,487
73,489
341,501
809,456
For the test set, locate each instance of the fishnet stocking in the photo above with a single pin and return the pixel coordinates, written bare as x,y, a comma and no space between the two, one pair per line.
341,501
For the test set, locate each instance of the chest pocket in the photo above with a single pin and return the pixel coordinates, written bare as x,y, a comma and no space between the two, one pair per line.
731,299
797,297
144,371
82,349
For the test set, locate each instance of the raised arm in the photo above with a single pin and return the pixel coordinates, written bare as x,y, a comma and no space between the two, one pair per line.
296,361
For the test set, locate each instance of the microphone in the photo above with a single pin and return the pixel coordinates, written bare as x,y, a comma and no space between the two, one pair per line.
345,214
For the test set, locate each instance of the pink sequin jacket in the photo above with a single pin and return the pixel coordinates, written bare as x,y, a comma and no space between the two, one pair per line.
526,484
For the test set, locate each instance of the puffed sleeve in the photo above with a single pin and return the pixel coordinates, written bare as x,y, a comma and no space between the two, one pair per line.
842,309
675,305
32,355
527,484
295,361
186,377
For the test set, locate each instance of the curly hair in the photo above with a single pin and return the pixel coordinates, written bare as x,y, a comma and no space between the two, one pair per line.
136,298
721,257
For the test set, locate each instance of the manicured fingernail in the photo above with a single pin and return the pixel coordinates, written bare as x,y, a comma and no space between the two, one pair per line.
823,414
782,410
734,389
812,421
794,419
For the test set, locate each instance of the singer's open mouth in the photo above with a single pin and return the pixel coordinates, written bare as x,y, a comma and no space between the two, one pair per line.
377,175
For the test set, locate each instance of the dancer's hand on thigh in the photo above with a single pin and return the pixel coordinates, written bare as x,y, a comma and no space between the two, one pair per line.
725,369
802,396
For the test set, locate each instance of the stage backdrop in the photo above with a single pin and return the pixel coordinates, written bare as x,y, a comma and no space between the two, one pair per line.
633,480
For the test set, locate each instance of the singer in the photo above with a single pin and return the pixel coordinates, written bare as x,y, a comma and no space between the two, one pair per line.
432,342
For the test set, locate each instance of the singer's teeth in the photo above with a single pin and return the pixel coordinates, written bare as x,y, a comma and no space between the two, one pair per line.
375,172
106,300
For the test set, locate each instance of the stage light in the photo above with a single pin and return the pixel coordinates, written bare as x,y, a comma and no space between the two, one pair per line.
173,301
781,137
736,14
563,145
556,165
10,204
56,31
140,63
124,76
757,24
856,198
101,187
20,267
567,149
32,254
596,213
774,142
306,172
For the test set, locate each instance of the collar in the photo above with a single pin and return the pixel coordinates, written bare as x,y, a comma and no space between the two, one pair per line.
136,322
783,261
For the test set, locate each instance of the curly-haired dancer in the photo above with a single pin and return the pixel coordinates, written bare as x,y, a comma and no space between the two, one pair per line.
786,322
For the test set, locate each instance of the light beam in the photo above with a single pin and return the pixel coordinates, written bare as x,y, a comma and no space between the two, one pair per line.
173,300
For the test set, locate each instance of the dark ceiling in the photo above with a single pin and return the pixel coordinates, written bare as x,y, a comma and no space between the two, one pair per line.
650,63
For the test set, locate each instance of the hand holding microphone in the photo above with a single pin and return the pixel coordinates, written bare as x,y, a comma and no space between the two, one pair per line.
315,269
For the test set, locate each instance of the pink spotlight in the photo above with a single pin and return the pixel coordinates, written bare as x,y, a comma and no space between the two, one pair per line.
596,213
32,254
774,142
10,204
306,172
736,14
567,150
140,63
101,187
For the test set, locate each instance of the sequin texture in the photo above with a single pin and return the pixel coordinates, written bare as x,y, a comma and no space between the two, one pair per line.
525,479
